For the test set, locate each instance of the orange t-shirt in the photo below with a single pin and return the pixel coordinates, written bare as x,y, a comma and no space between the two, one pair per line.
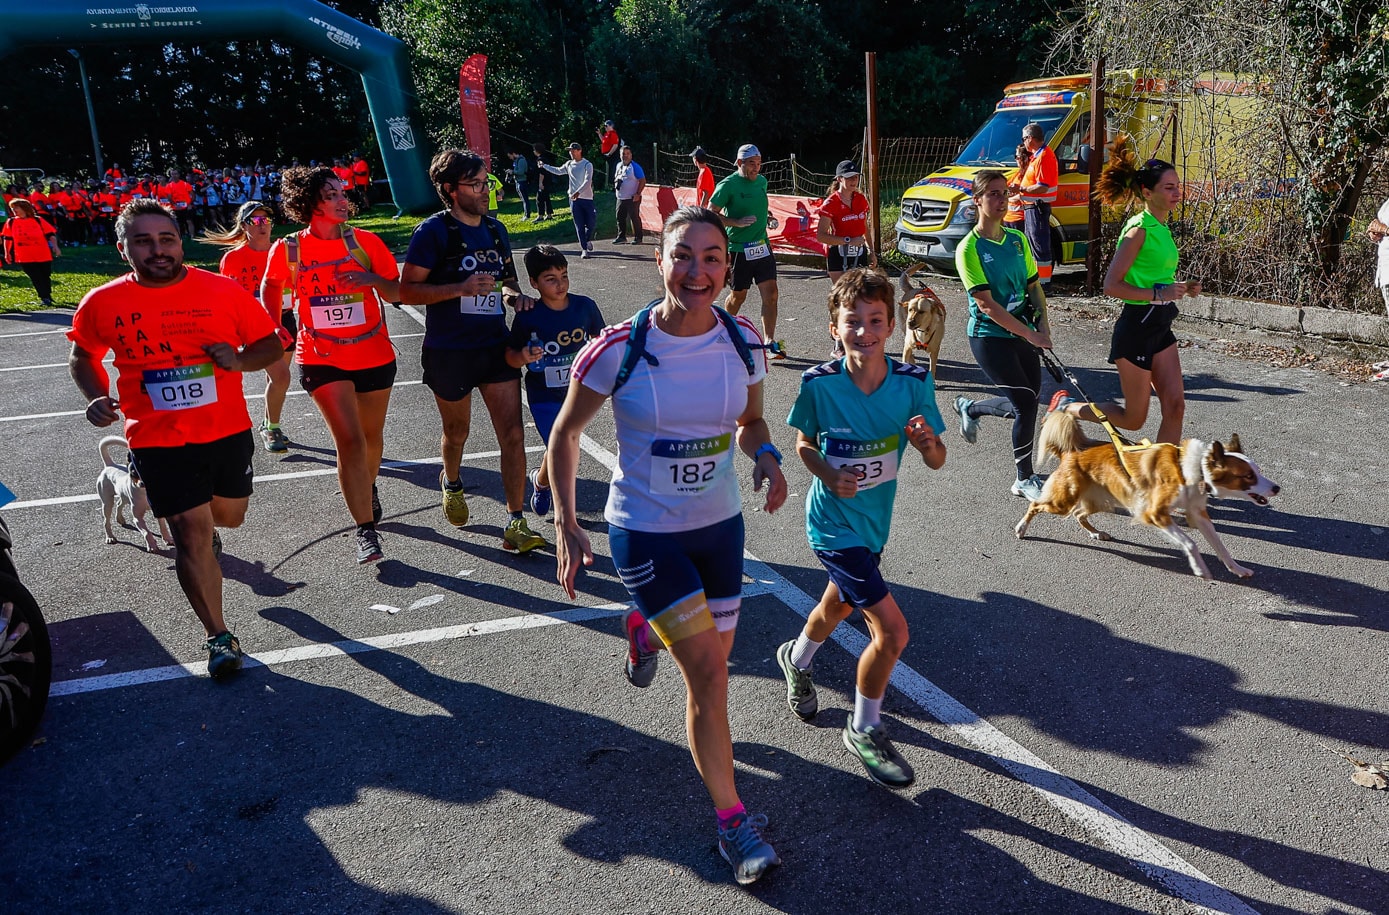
26,239
41,203
247,267
104,204
333,307
361,172
171,393
344,174
180,194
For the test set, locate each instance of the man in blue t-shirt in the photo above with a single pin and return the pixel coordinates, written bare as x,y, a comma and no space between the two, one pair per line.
459,267
856,416
545,340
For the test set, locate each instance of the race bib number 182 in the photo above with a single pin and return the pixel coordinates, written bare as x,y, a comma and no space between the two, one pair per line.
687,468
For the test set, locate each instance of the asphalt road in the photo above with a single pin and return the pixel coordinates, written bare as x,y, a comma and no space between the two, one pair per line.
1093,728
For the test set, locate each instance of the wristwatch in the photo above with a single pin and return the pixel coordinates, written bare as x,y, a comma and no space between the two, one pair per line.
767,448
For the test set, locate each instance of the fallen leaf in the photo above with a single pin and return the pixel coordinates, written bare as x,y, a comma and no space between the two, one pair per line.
427,601
385,608
1369,778
93,665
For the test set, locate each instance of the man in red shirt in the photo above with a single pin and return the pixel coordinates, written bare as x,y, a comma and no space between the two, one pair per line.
361,181
104,207
343,172
182,339
608,144
704,184
180,196
1038,190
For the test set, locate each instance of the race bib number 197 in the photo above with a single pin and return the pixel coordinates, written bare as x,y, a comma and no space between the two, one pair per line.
182,387
874,462
687,468
338,312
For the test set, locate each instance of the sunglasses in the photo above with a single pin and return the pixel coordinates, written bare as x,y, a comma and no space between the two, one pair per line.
257,220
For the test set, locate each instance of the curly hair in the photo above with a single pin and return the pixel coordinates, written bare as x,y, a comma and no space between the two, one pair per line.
862,283
1123,176
302,190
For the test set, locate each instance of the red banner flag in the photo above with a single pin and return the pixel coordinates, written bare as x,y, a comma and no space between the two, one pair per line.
472,103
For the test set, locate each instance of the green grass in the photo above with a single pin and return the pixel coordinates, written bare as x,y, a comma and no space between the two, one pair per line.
82,269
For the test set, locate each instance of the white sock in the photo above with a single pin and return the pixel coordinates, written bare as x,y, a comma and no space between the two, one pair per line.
803,652
867,712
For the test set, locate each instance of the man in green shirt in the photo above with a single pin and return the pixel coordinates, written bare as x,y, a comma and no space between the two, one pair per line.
741,199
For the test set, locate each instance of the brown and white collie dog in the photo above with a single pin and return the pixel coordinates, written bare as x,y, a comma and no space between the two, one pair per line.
1159,480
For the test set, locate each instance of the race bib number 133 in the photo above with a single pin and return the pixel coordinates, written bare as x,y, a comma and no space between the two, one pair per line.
874,462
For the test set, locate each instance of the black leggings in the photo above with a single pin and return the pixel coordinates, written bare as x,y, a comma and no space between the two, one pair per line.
41,275
1013,365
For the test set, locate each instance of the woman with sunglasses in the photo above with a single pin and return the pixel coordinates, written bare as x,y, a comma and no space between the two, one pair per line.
1142,275
249,241
340,276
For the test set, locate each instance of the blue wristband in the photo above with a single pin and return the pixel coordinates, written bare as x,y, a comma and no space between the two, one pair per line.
767,448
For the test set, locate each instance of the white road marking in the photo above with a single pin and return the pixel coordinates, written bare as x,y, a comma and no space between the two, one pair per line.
36,333
274,477
46,365
294,393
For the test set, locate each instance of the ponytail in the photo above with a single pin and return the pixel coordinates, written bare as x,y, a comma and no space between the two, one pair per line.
1123,178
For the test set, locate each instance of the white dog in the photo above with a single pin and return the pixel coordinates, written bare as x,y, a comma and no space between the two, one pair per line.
119,487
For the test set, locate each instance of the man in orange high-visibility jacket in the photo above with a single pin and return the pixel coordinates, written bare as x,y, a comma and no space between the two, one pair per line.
1038,190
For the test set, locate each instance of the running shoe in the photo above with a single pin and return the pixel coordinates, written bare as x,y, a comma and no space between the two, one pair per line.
800,689
455,503
376,512
1059,400
583,255
223,656
742,846
619,241
969,425
884,764
540,496
1030,488
275,440
368,546
519,537
641,665
777,349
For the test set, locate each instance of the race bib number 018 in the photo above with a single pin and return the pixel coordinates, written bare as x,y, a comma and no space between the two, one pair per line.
338,312
874,462
757,251
687,468
182,387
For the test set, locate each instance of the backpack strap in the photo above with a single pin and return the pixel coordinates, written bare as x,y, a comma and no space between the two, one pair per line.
354,248
636,347
740,343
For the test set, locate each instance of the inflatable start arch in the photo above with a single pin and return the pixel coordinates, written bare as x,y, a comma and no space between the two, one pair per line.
381,60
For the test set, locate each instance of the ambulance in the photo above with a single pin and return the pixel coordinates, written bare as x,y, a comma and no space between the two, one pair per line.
1195,125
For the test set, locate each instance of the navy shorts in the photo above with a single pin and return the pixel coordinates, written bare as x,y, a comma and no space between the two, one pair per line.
683,583
364,381
747,272
183,477
855,573
453,373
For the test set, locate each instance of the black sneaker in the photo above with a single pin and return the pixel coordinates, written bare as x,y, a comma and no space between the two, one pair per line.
742,846
800,689
883,763
368,546
223,656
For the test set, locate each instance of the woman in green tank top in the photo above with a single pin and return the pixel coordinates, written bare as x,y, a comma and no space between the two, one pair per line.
1143,275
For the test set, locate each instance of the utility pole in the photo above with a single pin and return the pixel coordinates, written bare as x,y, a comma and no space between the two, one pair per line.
1097,140
91,112
870,147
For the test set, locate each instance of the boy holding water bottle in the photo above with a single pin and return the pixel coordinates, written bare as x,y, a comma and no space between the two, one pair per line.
545,341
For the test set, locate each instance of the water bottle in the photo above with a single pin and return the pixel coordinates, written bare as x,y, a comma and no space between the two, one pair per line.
536,347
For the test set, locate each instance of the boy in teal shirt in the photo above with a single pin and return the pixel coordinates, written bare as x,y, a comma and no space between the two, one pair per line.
856,416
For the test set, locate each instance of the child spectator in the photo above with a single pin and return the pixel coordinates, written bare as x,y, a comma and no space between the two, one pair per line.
545,341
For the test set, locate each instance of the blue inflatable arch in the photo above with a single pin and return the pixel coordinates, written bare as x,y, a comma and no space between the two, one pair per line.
381,60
